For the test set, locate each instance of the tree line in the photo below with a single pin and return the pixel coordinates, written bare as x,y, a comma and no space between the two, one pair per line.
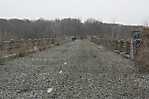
25,29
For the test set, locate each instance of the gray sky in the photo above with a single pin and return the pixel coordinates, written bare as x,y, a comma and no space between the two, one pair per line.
119,11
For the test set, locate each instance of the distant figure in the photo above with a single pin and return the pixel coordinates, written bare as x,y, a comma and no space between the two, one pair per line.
73,38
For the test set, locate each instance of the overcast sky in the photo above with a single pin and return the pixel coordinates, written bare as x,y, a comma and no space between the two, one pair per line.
119,11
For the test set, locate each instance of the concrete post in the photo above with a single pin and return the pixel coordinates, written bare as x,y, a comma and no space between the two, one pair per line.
131,50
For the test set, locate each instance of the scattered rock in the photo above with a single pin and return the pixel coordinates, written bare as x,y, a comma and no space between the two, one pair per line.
65,63
60,71
49,90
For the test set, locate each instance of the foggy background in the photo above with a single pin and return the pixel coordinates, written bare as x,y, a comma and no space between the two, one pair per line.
112,11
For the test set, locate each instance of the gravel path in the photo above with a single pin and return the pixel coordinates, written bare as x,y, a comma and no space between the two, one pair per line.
76,70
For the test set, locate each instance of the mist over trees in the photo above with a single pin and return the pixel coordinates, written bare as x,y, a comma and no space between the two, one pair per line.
25,29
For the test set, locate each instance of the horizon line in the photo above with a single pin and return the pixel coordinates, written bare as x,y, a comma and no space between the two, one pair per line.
80,18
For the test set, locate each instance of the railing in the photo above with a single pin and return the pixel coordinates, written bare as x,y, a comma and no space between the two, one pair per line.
122,47
21,47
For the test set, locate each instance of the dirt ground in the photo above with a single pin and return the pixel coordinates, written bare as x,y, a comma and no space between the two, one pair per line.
75,70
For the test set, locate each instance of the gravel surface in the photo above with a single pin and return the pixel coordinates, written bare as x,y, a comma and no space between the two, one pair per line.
76,70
